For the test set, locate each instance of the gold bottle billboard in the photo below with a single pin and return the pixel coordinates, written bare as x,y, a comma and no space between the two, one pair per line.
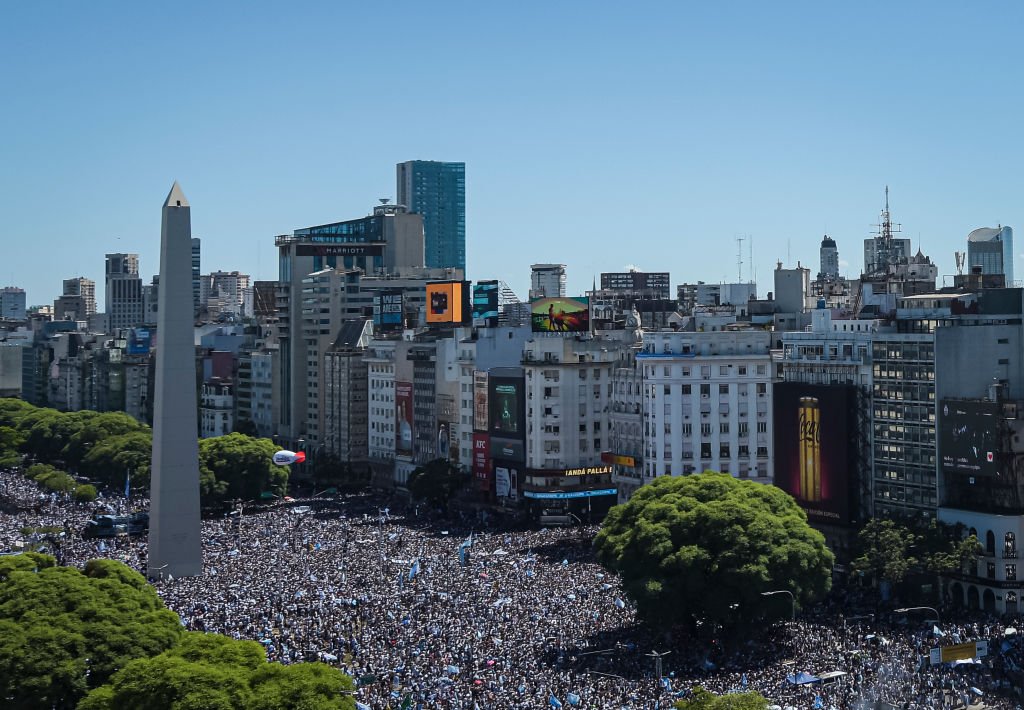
809,445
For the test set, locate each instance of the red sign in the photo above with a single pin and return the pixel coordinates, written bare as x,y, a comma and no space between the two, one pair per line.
482,456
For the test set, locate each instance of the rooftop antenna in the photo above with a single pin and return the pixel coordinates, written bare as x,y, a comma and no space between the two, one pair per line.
739,259
751,268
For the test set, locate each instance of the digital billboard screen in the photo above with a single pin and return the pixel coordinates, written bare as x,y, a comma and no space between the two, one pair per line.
969,436
387,310
139,341
505,400
485,304
447,302
403,418
815,445
560,315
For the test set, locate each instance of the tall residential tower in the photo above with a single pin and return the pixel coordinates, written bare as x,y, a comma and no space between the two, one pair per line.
437,191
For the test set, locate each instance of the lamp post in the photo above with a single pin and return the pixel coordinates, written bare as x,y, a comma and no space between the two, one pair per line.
657,656
792,600
907,609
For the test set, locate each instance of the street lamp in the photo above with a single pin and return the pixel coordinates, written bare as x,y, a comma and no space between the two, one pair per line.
657,656
792,600
907,609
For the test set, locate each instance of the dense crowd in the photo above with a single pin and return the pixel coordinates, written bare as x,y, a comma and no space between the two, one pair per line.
460,613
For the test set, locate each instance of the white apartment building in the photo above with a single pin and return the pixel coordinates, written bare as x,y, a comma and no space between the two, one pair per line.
626,424
707,403
380,361
262,402
216,408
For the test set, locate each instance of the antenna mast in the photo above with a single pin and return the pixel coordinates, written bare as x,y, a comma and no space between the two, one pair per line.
739,259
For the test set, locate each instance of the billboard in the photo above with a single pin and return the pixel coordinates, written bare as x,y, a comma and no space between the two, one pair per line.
364,249
815,448
560,315
481,457
403,419
505,399
480,401
387,310
485,304
447,302
139,341
969,437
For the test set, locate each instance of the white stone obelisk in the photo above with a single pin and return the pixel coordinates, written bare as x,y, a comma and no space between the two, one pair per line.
175,543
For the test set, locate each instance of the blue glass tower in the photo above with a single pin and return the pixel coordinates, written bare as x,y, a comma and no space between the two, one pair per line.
437,191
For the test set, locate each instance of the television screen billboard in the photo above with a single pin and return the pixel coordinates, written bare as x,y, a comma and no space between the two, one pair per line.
969,437
815,446
505,397
139,341
560,315
485,304
447,302
387,310
403,418
480,401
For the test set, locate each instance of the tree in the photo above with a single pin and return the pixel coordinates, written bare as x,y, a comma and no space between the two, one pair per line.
64,631
889,550
96,428
701,699
85,493
707,546
239,466
436,482
109,460
210,672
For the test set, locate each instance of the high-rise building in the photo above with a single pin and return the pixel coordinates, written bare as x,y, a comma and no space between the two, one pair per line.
991,248
12,303
124,300
547,281
829,259
437,191
84,288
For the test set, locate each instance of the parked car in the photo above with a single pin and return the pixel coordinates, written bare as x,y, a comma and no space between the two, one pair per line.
105,526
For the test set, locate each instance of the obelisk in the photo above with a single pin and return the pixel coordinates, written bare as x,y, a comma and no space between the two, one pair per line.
175,543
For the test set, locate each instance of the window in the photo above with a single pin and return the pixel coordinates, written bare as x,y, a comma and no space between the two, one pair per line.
705,429
723,389
744,428
762,427
705,371
667,390
991,571
762,369
705,450
686,389
762,388
1010,545
1011,572
705,390
686,372
723,369
742,369
723,428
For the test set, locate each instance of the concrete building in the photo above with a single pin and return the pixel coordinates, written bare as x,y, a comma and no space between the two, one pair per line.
991,248
221,294
707,404
346,376
12,303
78,300
10,369
261,413
124,300
829,259
197,262
547,280
217,408
437,191
381,414
626,421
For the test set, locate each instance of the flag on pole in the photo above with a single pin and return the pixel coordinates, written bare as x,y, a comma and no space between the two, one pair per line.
554,702
414,570
127,485
937,631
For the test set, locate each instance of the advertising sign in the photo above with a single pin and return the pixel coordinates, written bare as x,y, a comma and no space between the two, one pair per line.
581,471
447,302
502,482
566,495
480,401
339,250
139,341
387,310
969,437
560,315
814,448
403,418
485,304
958,652
506,405
481,457
618,459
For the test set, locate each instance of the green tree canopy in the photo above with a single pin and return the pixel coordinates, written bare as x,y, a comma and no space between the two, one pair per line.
97,428
210,672
63,631
701,699
708,546
436,481
110,459
239,466
889,550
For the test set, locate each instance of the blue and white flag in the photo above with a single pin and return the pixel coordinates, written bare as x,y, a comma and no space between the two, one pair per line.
401,580
743,680
554,702
462,556
937,631
362,706
127,485
666,683
572,699
818,703
414,570
619,603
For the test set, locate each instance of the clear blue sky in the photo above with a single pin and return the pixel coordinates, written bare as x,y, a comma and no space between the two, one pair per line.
595,134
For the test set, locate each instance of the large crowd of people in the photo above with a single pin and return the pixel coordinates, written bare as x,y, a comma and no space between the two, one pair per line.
458,612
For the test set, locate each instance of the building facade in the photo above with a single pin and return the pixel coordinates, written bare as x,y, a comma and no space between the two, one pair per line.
437,191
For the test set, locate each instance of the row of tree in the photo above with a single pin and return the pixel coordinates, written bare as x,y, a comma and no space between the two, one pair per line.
101,639
107,447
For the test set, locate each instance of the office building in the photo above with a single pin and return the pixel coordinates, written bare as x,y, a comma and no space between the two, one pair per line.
547,281
124,298
12,303
196,266
437,191
829,257
344,430
991,248
85,289
640,284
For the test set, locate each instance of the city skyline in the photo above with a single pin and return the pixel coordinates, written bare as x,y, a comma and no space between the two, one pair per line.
596,139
